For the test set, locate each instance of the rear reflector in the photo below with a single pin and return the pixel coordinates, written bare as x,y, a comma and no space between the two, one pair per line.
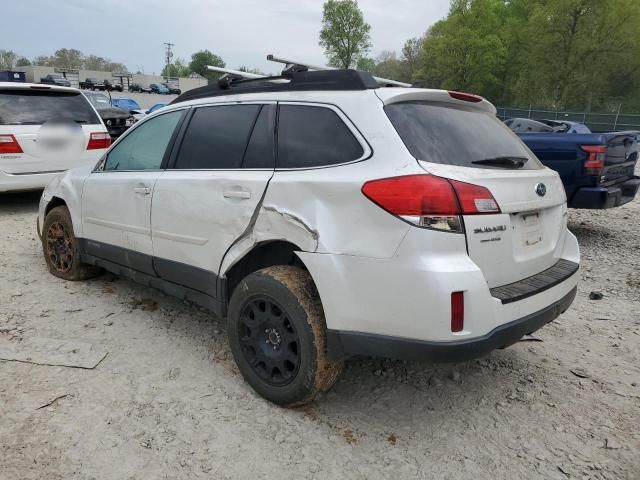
99,140
596,154
430,201
466,97
457,311
9,144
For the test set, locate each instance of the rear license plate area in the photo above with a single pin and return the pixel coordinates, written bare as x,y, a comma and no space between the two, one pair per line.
531,228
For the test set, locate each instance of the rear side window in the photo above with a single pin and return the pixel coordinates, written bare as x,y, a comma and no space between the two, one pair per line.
35,107
455,135
217,137
311,136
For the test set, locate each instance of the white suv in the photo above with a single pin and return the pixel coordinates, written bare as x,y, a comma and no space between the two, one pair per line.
45,130
326,217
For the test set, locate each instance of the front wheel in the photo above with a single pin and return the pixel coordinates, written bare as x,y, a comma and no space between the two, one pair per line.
277,333
61,248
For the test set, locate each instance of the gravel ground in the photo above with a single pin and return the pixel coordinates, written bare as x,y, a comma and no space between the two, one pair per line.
168,401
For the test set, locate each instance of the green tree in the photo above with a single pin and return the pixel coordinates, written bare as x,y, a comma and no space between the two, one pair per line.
178,68
366,64
23,62
466,50
8,59
69,58
412,56
344,34
201,59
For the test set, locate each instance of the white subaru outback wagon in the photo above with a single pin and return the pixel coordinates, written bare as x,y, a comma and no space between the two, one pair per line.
326,216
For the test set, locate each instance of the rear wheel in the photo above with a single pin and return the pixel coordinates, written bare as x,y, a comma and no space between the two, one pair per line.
277,333
61,249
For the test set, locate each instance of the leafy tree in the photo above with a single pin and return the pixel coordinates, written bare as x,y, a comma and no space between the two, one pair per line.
466,50
201,59
564,54
68,58
412,56
176,69
93,62
366,64
344,34
8,59
23,62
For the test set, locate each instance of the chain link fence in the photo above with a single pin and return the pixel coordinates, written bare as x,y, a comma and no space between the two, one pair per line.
597,122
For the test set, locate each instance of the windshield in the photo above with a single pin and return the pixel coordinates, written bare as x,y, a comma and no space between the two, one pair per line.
30,107
98,100
454,135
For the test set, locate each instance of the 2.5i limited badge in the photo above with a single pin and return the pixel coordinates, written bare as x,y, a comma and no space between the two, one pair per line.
497,228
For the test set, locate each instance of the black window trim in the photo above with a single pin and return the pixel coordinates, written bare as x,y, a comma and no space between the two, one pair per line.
99,168
367,150
183,128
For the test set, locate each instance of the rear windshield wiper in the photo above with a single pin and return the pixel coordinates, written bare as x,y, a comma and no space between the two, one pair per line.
504,162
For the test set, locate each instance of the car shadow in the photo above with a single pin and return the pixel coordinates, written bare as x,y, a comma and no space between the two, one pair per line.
589,234
21,202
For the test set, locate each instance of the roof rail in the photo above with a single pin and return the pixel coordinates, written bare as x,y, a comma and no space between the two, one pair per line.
299,66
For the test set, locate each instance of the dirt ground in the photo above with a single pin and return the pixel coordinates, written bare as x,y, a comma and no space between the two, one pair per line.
167,402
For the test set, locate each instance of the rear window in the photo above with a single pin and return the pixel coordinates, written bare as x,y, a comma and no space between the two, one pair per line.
455,135
32,107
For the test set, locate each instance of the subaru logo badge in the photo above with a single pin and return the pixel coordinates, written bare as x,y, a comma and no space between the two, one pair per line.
541,189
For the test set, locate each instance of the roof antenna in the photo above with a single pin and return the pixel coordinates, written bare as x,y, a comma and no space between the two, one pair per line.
293,66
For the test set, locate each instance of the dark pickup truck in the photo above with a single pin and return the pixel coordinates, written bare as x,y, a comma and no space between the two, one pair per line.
597,169
55,79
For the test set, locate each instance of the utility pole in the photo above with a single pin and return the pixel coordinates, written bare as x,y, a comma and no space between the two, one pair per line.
168,56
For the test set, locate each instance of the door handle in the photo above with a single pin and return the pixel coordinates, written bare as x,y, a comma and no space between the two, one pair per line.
144,190
236,194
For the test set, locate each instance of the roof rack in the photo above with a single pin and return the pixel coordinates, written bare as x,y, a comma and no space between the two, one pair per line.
294,77
293,65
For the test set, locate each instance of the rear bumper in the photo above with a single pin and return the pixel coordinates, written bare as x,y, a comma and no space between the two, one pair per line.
25,182
606,197
344,344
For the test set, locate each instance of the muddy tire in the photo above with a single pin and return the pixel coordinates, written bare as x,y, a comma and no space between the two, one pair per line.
61,249
277,332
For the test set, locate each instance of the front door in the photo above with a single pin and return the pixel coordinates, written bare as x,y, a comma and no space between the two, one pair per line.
116,198
204,202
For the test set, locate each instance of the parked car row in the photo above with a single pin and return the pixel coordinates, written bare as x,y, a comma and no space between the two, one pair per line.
102,85
164,88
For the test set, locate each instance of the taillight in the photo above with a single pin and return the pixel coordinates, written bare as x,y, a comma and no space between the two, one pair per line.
596,154
430,201
474,199
99,140
457,311
9,144
466,97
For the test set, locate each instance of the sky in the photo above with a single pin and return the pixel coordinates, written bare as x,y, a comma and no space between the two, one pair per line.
242,32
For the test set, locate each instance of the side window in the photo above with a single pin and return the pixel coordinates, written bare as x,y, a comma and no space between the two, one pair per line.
144,147
311,136
217,137
260,152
